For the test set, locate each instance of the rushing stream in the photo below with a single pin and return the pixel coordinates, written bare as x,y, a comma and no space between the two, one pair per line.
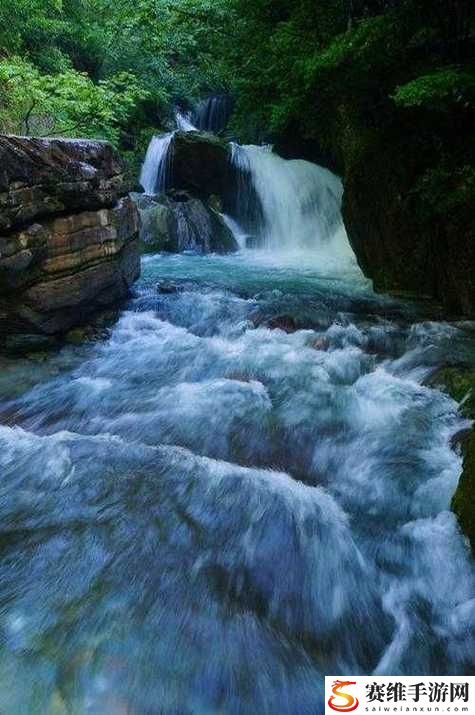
202,513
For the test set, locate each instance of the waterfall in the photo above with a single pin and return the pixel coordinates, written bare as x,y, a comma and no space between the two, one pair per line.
184,123
156,167
299,202
278,204
236,229
212,114
153,177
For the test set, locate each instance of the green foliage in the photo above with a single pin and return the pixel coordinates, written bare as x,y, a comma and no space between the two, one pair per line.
66,103
447,190
311,57
117,68
438,91
369,48
107,68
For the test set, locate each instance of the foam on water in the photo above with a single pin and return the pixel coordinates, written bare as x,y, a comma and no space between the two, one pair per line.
300,202
208,514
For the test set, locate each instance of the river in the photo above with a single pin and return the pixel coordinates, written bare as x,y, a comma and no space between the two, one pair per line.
203,513
204,516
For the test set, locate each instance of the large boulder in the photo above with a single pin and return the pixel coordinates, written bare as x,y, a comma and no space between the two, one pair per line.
402,245
68,236
179,222
200,163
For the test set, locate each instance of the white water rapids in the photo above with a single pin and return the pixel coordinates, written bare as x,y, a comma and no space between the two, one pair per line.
203,513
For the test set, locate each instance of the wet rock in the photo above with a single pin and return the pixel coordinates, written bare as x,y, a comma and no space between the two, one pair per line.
282,322
463,502
277,322
68,238
178,222
200,163
27,342
215,203
320,343
168,288
459,383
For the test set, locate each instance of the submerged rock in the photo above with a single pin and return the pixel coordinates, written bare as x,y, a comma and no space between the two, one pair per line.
178,222
68,237
168,287
287,323
282,322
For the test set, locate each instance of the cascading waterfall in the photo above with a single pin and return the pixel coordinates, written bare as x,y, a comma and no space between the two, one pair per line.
155,172
212,114
155,169
300,202
274,203
184,122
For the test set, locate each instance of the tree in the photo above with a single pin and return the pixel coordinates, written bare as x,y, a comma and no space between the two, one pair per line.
67,103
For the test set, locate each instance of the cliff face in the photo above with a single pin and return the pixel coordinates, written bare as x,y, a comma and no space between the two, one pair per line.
412,229
68,236
409,195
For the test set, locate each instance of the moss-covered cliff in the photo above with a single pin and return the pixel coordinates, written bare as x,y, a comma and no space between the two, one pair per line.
409,201
459,383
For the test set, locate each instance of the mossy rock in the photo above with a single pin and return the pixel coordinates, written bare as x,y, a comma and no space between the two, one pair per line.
459,383
200,164
178,222
463,502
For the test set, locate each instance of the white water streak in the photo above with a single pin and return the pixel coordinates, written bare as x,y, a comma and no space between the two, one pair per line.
301,202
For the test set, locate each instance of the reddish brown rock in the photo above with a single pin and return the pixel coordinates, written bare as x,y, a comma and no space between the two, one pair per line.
282,322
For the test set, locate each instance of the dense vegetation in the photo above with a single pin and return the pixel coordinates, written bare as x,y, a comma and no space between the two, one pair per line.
343,77
114,67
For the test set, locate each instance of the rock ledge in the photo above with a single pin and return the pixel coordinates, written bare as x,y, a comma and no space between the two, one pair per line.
68,236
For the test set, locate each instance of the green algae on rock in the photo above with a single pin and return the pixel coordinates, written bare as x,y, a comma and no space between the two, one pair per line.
459,383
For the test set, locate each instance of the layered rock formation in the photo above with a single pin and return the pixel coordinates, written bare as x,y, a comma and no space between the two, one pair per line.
68,236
